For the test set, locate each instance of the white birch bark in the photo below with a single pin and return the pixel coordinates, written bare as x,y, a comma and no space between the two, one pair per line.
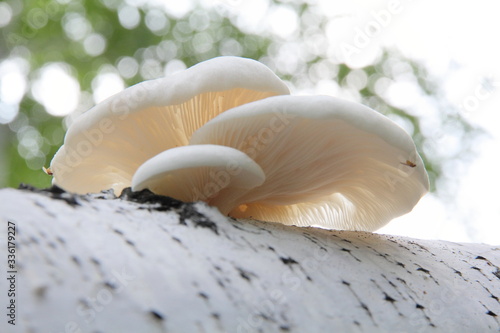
95,265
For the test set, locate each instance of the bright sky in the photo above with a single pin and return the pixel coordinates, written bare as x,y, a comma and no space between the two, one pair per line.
458,41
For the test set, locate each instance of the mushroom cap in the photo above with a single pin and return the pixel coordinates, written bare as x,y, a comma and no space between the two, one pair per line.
198,172
328,162
105,146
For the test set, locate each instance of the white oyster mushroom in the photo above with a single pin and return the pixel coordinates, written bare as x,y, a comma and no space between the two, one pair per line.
106,145
327,162
200,172
219,132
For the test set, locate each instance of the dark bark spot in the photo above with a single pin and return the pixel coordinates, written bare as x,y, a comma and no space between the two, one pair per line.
265,317
157,315
119,232
203,295
476,268
400,264
458,272
55,192
244,274
40,292
364,306
389,298
76,260
132,244
349,251
84,303
105,195
204,223
423,270
188,212
110,285
497,273
288,261
418,306
285,328
163,203
491,313
346,283
481,258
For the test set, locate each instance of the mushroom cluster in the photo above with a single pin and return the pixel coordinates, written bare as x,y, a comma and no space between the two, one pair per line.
227,132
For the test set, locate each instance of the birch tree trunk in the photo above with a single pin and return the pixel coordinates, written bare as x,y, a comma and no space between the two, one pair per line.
145,263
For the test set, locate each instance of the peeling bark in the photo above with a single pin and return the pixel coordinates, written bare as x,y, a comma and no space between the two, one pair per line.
145,263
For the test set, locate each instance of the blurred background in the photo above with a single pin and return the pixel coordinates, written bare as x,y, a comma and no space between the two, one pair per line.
431,67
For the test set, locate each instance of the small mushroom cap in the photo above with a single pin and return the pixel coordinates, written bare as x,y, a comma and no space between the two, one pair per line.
105,146
328,162
198,172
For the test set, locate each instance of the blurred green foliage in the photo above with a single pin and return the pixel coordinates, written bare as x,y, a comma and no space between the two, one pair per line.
46,31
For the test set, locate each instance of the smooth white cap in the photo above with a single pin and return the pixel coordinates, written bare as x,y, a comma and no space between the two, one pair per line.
198,172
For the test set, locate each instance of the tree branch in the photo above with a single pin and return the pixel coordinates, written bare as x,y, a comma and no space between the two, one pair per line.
145,263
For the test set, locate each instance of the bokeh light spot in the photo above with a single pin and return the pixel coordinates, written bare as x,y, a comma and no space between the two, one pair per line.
56,89
94,44
106,84
37,18
174,66
129,17
75,26
5,14
157,22
128,67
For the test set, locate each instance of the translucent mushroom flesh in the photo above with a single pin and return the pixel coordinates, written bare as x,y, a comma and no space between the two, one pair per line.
106,145
327,162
